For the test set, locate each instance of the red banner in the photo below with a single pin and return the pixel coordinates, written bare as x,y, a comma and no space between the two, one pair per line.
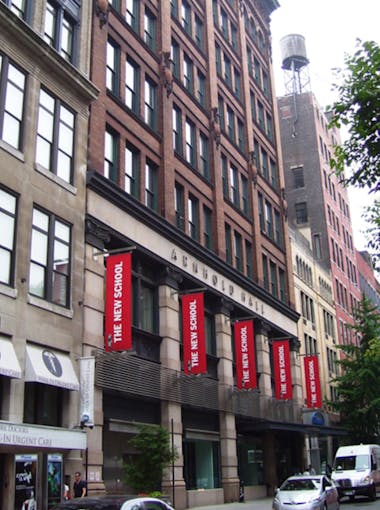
282,370
245,355
118,321
313,384
193,332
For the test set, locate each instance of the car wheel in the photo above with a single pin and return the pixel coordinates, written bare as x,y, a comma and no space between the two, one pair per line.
372,493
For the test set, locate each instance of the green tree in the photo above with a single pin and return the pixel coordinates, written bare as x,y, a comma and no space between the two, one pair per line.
358,385
357,160
154,453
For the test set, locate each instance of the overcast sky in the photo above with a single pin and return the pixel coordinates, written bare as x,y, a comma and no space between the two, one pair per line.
330,28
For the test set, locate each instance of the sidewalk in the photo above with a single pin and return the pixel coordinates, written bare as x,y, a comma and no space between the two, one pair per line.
257,504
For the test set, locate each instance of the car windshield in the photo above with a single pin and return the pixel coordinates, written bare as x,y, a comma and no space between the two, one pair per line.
351,462
301,484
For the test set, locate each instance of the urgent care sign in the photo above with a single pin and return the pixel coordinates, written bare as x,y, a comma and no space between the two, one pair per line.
312,382
118,320
193,334
245,355
282,370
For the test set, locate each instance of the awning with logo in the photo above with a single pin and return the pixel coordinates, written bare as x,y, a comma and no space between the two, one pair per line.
9,365
48,366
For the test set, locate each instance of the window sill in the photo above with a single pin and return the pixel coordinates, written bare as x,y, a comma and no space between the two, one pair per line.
67,186
50,307
8,291
14,152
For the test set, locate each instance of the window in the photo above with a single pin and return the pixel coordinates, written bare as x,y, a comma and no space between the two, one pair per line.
190,143
248,259
237,83
282,281
19,7
224,177
238,251
186,17
207,227
12,87
231,124
193,217
174,8
240,129
204,156
179,206
49,276
265,272
278,228
273,279
234,186
8,205
150,104
150,29
144,306
301,212
188,76
43,404
198,32
132,162
244,194
268,219
227,231
55,137
112,67
132,14
174,55
177,130
201,89
227,71
151,184
111,141
218,59
298,177
60,30
132,85
224,23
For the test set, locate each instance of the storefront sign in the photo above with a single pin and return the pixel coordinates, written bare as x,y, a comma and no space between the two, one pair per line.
313,385
41,437
245,355
87,380
25,481
193,331
118,320
282,370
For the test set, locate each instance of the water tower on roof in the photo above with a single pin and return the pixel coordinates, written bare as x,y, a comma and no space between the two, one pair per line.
295,64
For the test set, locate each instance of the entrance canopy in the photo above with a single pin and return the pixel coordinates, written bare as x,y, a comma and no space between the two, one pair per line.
47,366
9,365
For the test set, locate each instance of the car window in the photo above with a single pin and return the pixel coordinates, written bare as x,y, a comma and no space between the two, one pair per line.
300,484
154,505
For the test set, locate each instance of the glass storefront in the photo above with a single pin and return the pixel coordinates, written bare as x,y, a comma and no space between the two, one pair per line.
202,463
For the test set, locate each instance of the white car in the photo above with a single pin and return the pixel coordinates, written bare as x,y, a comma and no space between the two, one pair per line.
114,502
306,492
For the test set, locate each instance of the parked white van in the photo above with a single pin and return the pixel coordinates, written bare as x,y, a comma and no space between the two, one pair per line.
356,470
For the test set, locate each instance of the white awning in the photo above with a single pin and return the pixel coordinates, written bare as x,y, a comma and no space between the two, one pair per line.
47,366
9,365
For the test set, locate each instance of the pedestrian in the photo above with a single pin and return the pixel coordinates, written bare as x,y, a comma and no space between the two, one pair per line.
80,486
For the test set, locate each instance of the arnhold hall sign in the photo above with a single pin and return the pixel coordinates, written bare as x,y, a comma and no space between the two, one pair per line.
236,293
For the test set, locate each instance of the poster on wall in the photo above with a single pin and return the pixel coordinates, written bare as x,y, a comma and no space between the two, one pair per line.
282,370
118,317
245,355
193,334
54,479
25,482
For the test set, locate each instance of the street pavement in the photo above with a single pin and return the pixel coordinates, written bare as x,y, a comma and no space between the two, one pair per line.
257,504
